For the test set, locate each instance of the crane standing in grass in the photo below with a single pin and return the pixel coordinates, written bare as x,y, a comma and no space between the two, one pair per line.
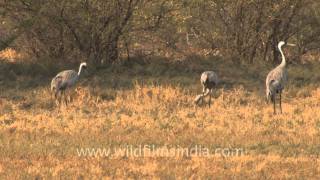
65,80
209,80
276,79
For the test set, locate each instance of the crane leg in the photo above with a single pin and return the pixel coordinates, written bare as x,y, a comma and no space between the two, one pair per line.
56,98
63,95
203,90
59,97
210,98
69,95
280,102
274,104
66,98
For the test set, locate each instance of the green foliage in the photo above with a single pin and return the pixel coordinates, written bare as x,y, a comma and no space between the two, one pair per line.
71,29
104,31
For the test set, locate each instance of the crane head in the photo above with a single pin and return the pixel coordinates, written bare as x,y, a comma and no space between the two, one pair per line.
281,43
84,64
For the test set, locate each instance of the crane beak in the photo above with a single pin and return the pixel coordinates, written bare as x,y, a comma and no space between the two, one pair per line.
289,44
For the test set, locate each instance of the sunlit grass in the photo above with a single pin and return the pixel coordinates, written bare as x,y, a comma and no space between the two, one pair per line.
39,139
10,55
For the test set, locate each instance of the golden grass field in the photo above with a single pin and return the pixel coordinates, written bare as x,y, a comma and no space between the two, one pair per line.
153,105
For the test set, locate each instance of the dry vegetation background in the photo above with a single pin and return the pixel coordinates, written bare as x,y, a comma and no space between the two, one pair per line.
144,69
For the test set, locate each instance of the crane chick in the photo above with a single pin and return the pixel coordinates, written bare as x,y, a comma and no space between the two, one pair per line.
65,80
209,80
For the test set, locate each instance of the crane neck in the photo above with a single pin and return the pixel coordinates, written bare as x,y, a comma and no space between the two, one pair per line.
283,62
80,68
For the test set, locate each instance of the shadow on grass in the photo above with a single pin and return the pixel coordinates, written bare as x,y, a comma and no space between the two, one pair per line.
152,71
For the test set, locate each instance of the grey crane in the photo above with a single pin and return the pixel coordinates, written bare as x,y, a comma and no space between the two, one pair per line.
209,80
276,79
65,80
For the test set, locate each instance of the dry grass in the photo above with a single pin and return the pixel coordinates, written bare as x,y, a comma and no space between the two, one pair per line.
10,55
114,109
